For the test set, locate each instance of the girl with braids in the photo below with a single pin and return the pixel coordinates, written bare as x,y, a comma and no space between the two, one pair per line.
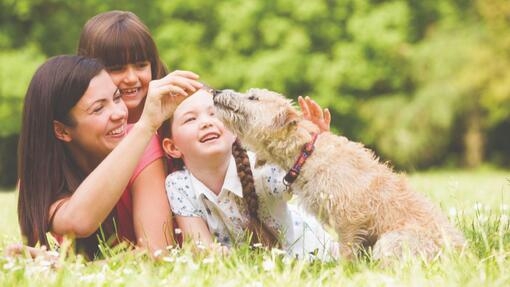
218,195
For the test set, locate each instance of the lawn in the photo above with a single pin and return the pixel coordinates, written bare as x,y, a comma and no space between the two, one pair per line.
477,201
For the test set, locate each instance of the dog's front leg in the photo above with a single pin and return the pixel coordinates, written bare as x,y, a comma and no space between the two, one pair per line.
350,241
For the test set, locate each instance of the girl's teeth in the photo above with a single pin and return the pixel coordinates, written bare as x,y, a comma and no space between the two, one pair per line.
117,131
129,91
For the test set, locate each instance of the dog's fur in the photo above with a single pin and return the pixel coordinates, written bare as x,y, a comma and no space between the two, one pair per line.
342,182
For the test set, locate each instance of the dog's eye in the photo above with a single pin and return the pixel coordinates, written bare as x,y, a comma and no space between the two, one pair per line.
253,98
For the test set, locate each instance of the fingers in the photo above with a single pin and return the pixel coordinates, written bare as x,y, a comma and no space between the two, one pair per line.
327,117
304,107
13,249
165,94
313,112
315,109
18,249
174,90
185,74
182,82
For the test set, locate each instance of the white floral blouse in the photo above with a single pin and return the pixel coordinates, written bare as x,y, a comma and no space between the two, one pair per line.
224,214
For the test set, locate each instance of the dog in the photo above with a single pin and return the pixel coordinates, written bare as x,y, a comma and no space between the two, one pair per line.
339,181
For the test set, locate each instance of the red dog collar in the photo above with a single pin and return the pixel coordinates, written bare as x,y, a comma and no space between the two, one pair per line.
307,150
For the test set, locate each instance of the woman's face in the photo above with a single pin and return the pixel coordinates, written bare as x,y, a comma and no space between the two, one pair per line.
100,120
133,82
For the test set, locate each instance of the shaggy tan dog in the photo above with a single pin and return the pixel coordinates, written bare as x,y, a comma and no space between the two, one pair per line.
341,182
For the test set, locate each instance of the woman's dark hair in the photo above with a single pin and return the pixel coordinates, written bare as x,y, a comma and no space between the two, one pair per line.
260,231
46,171
118,38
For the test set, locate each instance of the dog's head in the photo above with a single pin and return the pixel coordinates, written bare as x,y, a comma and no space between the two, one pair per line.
266,122
258,113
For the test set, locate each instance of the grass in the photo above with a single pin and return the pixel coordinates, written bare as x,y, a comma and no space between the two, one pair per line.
478,202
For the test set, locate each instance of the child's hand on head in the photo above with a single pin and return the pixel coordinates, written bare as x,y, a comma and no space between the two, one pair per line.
314,113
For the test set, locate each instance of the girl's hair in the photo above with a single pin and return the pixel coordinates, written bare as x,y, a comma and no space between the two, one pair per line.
165,131
260,231
47,171
118,38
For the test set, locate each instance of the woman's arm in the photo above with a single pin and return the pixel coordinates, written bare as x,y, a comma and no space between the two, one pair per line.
151,211
83,212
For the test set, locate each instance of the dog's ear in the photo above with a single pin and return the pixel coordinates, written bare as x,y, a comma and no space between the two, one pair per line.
292,117
286,118
170,148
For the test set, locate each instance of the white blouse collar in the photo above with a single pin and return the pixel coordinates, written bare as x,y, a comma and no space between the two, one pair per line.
231,184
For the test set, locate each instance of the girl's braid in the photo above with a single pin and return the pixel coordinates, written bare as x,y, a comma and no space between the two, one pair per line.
261,233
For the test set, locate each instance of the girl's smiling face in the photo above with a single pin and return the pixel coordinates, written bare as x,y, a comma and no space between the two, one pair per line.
133,83
197,132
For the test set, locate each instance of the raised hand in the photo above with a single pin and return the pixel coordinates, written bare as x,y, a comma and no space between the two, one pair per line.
314,113
166,94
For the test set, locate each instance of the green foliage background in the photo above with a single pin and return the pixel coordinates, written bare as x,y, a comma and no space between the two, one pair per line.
424,83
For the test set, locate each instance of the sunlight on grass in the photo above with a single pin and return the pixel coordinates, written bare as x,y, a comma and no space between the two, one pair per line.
476,201
8,216
464,189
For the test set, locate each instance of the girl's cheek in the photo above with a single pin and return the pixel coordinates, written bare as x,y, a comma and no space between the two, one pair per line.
115,78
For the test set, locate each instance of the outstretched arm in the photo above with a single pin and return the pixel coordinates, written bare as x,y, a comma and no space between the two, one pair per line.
83,212
151,211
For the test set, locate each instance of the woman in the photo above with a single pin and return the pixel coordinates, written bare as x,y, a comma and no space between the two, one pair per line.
79,167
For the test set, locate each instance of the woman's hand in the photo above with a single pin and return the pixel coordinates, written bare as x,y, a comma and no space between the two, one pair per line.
166,94
20,250
314,113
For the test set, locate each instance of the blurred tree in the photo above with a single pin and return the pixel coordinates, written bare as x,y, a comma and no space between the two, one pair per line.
54,25
422,82
339,52
15,73
485,79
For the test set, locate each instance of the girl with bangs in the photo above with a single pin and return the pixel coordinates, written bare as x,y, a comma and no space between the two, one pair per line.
123,43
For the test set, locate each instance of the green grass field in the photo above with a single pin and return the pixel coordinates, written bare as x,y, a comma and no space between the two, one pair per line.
478,202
